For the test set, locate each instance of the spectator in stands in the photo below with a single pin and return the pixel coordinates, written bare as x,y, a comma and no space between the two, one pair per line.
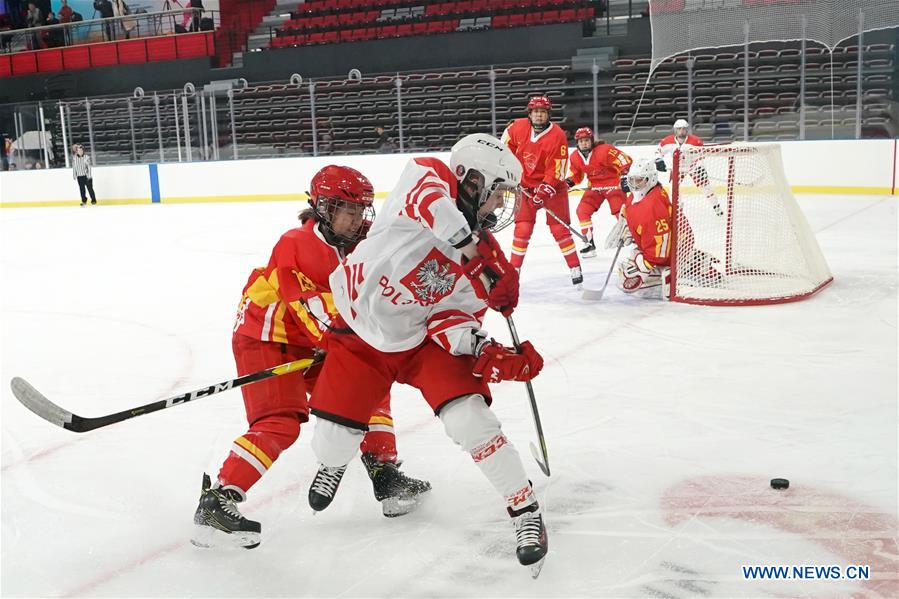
104,7
6,24
384,144
120,9
54,36
65,12
197,6
4,162
81,171
34,19
66,15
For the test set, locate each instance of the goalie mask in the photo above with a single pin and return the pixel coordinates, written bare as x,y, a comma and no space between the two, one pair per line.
341,199
488,174
642,175
681,127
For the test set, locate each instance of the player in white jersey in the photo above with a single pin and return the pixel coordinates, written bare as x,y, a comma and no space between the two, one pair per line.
680,140
411,299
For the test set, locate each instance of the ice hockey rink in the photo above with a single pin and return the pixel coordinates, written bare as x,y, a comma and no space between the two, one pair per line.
665,423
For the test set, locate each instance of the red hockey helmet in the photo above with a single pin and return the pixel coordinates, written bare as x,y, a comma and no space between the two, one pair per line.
336,189
584,132
540,102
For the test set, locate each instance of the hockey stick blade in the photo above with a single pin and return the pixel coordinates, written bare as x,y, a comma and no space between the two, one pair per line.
35,401
593,295
536,455
38,403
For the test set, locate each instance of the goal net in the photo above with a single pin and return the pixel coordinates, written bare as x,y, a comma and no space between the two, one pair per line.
739,235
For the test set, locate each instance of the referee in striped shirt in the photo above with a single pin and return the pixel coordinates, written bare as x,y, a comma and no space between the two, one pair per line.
81,170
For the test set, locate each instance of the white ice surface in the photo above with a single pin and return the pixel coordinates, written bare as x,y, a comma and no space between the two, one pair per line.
664,424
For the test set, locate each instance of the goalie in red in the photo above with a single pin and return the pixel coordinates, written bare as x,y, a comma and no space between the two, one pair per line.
411,298
603,164
282,315
648,224
542,149
682,140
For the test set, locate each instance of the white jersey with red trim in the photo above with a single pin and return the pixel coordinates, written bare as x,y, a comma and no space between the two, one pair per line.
669,144
404,281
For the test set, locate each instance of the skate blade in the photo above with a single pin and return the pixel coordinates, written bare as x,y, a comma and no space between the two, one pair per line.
208,537
398,506
589,255
536,568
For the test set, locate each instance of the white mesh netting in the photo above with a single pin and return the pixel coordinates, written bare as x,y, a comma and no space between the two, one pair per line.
682,25
759,249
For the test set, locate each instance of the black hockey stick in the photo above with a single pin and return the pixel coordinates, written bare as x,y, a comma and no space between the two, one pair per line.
543,463
35,401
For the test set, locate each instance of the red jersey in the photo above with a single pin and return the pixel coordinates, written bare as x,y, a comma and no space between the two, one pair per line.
603,166
649,219
280,302
543,155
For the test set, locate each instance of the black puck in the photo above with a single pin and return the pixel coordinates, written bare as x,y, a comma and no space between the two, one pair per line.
780,483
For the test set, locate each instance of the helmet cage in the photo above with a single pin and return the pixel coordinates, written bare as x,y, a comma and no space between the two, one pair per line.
473,194
325,210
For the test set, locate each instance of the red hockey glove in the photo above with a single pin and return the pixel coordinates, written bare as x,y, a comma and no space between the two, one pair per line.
491,262
499,363
542,194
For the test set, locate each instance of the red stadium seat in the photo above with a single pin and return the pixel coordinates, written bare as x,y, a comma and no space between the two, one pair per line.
404,30
5,66
419,28
533,18
567,15
387,31
315,38
330,37
500,21
516,20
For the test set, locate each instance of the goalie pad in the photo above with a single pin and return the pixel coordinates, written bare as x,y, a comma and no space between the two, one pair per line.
636,273
620,234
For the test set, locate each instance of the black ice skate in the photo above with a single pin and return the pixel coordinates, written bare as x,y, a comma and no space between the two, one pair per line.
219,522
577,277
399,494
530,535
324,486
589,250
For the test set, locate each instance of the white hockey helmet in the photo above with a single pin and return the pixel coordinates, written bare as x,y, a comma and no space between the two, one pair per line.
642,175
484,166
681,124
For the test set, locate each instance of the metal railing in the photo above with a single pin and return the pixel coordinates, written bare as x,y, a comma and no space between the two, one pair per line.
107,30
429,111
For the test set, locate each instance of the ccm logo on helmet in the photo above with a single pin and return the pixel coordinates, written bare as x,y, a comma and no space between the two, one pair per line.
490,144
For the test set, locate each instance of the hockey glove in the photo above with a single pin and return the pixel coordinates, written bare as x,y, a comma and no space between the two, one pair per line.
499,363
570,183
624,186
543,194
491,263
634,272
661,166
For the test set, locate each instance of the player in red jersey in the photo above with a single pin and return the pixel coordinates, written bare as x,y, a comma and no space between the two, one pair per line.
603,164
649,228
680,140
284,311
542,149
